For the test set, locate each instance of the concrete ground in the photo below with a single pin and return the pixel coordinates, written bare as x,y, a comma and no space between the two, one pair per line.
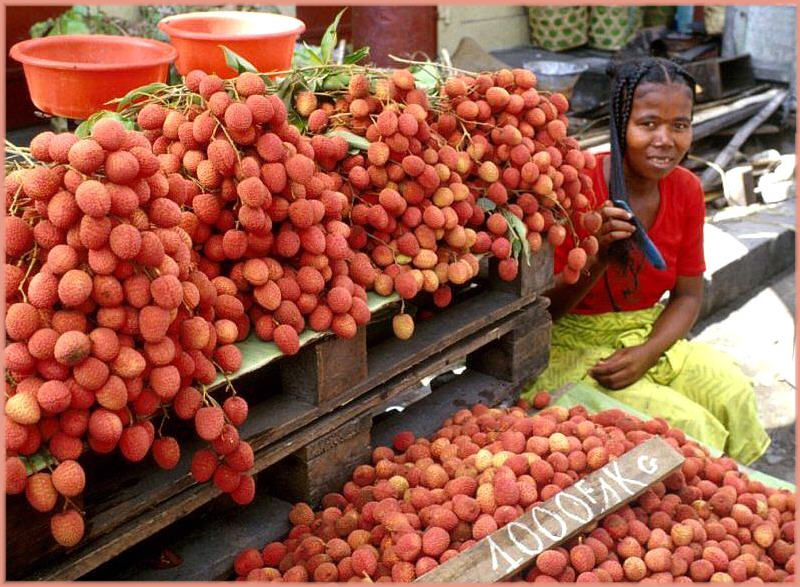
758,330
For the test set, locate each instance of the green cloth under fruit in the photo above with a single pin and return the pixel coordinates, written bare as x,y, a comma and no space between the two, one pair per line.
693,386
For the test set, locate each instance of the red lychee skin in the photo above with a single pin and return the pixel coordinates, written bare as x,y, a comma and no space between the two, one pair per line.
226,479
166,452
67,528
54,396
285,336
134,443
16,476
204,464
105,426
241,458
364,562
245,492
40,492
435,541
235,409
22,320
551,563
109,133
209,422
69,478
42,343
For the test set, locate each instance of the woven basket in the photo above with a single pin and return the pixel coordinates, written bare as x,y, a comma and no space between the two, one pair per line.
558,28
611,27
659,16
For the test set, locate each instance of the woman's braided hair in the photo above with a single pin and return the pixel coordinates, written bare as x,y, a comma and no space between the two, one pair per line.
626,76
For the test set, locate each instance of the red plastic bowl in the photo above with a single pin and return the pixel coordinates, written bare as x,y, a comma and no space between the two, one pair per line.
266,40
75,75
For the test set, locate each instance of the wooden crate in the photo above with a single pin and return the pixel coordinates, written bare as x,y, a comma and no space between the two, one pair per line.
293,401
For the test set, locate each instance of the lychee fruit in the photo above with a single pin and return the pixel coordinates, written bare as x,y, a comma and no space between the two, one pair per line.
67,528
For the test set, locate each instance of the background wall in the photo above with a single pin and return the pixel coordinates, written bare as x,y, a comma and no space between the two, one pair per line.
494,27
768,34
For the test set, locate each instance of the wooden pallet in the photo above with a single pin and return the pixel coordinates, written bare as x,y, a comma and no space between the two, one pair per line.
139,500
208,544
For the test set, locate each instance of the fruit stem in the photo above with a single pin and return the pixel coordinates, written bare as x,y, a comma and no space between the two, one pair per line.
164,418
569,221
13,208
69,502
230,140
28,272
433,64
22,152
228,383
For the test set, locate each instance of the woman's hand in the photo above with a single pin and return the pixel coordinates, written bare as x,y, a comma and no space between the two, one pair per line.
616,226
624,367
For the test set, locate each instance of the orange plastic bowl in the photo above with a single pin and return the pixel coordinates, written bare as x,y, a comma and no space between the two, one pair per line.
75,75
265,40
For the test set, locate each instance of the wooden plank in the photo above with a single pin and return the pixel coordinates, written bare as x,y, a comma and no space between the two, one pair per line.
308,475
257,353
520,355
516,545
726,155
320,373
533,278
207,544
280,426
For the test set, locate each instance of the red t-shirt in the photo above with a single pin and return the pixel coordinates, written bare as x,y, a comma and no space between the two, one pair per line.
677,231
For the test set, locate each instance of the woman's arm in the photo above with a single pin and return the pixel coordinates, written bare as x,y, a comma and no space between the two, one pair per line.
629,364
564,296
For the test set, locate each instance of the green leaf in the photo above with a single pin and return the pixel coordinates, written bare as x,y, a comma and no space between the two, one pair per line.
338,81
328,42
518,229
403,259
353,140
515,248
37,462
69,26
174,77
140,92
40,29
356,56
298,121
311,55
486,204
427,77
83,130
236,62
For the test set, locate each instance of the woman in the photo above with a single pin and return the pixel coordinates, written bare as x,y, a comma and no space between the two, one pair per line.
610,329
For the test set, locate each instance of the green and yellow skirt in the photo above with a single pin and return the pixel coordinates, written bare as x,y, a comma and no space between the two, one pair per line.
693,386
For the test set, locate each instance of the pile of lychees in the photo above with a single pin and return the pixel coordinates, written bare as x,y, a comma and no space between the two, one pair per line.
110,325
136,259
303,227
422,502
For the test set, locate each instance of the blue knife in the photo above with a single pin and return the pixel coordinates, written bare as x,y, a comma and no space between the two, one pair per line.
647,246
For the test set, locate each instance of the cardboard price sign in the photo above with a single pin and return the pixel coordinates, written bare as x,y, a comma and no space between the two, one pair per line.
517,544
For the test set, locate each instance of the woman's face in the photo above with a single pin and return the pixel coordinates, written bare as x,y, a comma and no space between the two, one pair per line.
659,131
